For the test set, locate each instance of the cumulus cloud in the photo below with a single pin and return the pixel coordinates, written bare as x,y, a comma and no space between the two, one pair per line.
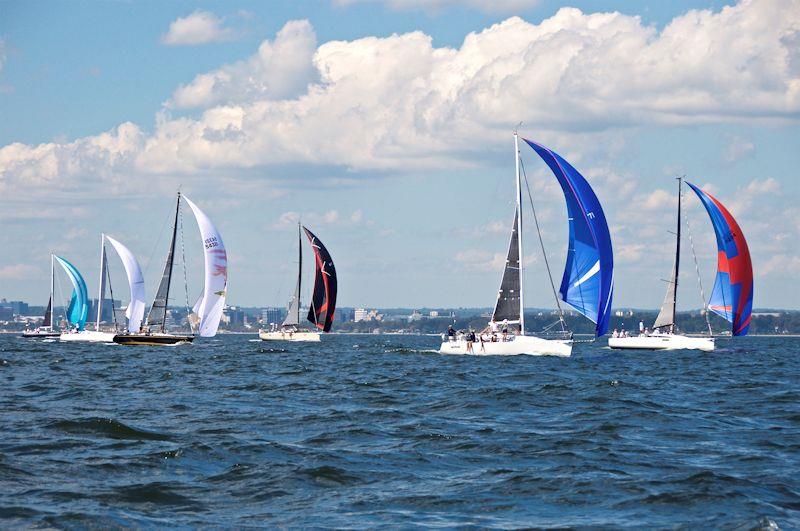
496,6
737,149
19,272
201,27
312,219
398,103
479,260
280,69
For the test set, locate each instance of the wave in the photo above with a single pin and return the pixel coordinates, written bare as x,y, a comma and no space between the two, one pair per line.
105,427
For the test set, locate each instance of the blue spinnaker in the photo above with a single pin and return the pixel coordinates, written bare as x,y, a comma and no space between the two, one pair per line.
588,281
78,309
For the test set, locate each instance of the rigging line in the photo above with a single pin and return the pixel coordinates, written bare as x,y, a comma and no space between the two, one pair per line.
61,296
541,243
156,242
185,281
697,269
111,293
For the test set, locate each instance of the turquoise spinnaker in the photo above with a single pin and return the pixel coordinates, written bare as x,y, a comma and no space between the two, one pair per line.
78,309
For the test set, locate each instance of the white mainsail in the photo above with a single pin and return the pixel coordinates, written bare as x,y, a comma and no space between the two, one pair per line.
216,282
136,307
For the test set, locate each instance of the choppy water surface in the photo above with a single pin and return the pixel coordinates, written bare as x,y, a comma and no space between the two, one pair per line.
368,430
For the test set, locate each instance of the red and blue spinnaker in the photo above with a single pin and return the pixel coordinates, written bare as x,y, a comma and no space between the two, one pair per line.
732,296
588,281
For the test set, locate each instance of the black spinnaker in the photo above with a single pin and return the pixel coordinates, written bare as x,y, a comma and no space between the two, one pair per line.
323,301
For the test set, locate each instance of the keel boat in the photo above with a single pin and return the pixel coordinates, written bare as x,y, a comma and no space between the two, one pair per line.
323,301
46,329
587,283
731,298
209,306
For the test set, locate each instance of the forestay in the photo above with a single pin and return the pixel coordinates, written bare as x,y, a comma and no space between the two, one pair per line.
136,306
212,303
732,296
587,284
78,309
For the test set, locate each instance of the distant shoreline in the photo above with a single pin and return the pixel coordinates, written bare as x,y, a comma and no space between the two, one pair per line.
221,332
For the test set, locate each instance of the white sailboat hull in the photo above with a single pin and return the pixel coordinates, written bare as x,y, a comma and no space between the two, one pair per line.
516,345
288,336
662,342
88,335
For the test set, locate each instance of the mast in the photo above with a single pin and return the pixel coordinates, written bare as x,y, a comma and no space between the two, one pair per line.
158,311
48,313
102,286
171,261
677,261
299,268
52,276
519,236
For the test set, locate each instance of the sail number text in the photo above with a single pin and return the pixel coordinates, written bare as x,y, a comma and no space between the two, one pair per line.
210,243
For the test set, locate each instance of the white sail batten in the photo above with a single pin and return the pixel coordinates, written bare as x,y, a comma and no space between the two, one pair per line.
136,306
210,307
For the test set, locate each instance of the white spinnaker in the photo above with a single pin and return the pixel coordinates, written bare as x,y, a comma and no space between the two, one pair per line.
135,311
216,261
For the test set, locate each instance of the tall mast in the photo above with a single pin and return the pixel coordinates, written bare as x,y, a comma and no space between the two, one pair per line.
519,237
52,278
299,268
102,278
171,260
677,261
52,290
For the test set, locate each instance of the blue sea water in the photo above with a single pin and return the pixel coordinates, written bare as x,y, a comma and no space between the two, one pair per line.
366,431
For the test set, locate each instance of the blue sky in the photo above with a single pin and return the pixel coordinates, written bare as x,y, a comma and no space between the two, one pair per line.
385,126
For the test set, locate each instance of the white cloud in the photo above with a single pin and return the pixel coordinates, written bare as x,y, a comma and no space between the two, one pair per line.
399,103
19,272
201,27
330,217
479,260
657,200
737,149
779,264
280,69
495,6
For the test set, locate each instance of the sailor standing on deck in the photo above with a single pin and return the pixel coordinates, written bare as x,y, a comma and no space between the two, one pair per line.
470,341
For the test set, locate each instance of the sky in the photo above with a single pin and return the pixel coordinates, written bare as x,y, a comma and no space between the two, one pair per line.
385,126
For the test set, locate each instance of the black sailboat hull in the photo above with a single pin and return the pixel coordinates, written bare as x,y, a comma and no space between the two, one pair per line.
151,339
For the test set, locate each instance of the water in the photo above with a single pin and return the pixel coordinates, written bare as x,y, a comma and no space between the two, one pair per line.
365,431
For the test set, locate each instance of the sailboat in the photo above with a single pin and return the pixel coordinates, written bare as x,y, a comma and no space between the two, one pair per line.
96,335
731,298
323,301
587,284
46,329
78,309
208,307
